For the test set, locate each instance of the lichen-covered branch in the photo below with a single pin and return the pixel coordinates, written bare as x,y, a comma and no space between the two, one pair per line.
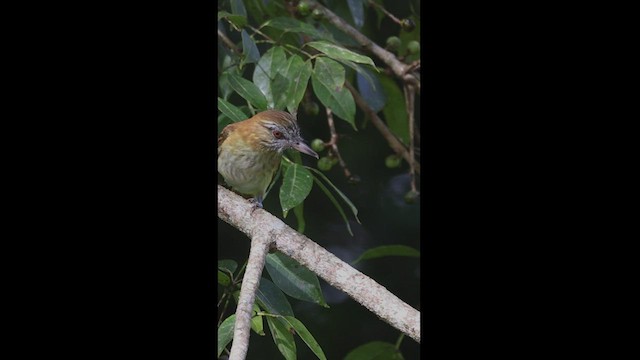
236,211
242,328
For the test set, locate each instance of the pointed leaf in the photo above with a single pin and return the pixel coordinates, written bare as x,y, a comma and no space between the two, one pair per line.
270,298
223,279
327,80
282,337
294,279
339,53
306,336
298,73
249,49
257,321
237,7
395,111
249,91
371,90
232,111
387,250
289,24
225,333
335,203
266,70
344,197
296,185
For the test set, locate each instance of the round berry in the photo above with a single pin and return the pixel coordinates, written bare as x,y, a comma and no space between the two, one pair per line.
413,47
393,43
411,197
317,14
317,145
324,164
408,25
392,161
303,8
311,108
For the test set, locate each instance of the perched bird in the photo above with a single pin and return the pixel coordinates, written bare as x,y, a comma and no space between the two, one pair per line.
249,151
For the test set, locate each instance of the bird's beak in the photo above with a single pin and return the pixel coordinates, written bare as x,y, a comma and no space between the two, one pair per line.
305,149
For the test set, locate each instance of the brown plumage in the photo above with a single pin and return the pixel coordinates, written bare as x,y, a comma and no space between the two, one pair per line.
249,151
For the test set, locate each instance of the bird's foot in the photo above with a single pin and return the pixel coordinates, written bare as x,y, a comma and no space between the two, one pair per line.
257,203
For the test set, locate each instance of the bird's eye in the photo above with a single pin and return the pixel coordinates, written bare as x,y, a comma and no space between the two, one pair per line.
277,134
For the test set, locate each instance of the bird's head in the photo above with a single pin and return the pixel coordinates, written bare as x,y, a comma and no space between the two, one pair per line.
282,132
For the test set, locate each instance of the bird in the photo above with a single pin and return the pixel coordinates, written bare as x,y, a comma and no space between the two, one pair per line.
250,151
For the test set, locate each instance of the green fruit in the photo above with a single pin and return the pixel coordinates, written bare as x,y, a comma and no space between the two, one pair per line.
311,108
334,160
407,25
413,47
411,197
324,164
317,145
303,8
392,161
317,14
393,42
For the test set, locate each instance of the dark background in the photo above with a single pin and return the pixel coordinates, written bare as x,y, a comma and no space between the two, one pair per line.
113,203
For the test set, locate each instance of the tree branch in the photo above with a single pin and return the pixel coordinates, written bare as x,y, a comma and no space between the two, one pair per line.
398,67
242,328
393,142
236,211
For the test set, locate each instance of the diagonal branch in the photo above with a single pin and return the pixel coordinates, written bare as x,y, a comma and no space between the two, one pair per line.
236,211
393,142
398,67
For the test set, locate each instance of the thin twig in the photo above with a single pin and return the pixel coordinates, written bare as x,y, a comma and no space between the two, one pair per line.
228,42
409,98
398,21
333,142
397,66
392,140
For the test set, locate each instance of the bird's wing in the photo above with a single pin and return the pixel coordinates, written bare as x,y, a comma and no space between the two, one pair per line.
224,134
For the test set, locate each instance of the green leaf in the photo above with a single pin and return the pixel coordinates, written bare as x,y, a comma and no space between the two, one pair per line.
288,24
296,185
266,70
339,53
249,91
223,279
237,7
257,322
395,112
231,111
387,250
294,279
371,89
298,211
228,265
357,12
238,21
270,298
306,336
225,333
282,337
335,203
328,84
344,197
249,49
375,350
298,73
